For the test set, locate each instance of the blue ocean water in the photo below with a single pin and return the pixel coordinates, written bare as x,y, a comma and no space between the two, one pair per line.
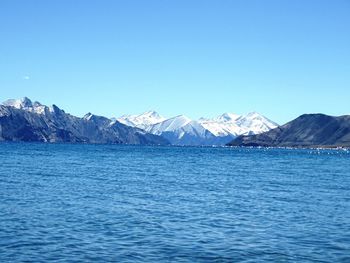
110,203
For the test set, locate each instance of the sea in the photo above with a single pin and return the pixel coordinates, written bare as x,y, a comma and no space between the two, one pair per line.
123,203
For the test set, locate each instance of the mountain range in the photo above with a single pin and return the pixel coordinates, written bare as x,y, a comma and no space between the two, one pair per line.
308,130
181,130
24,120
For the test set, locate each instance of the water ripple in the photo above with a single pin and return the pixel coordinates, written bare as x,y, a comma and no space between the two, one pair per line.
113,203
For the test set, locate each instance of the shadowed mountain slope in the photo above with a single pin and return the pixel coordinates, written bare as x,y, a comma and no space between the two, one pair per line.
308,130
22,120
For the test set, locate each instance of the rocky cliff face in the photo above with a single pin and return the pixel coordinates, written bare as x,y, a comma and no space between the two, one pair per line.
22,120
308,130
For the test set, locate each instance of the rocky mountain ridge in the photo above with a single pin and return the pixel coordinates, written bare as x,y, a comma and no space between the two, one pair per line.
24,120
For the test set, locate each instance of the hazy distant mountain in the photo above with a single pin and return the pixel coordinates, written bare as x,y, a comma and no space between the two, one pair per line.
23,120
309,130
181,130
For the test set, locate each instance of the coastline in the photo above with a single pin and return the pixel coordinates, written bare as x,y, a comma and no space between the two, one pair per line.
327,147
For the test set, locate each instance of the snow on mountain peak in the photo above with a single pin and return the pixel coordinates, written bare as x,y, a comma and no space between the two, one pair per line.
233,124
19,103
171,124
178,130
26,104
181,119
227,124
151,114
143,121
226,117
179,126
255,123
253,114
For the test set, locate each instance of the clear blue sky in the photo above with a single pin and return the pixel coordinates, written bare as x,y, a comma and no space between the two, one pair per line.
200,58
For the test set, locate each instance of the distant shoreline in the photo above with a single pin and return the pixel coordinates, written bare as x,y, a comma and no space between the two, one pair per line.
336,148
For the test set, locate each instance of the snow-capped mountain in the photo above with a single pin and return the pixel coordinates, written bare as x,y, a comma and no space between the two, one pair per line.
227,117
255,123
181,130
23,120
143,121
235,125
26,120
27,105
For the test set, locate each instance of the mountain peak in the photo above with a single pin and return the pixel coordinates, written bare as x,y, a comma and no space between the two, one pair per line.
37,104
225,117
182,118
143,121
150,114
88,116
19,103
253,114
